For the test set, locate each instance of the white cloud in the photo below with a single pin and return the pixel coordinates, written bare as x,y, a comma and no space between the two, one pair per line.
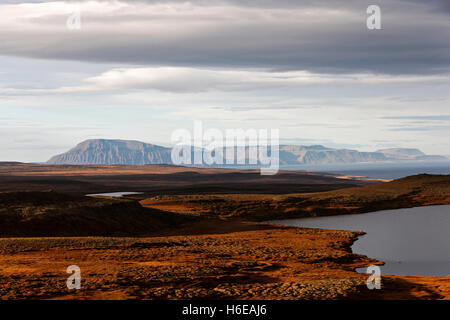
186,79
182,79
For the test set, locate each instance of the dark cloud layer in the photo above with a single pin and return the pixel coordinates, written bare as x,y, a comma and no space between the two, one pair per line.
333,38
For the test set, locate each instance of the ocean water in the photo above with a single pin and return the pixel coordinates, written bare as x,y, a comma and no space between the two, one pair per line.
413,241
379,170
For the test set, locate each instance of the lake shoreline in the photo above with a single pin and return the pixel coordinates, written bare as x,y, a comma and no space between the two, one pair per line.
294,259
397,237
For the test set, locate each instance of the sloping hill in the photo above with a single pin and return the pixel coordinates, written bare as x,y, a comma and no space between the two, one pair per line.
51,214
419,190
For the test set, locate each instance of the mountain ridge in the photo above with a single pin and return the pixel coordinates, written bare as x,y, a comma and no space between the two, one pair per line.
133,152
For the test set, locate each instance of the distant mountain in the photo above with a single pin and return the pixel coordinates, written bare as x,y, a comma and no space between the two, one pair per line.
126,152
317,154
402,153
102,151
409,154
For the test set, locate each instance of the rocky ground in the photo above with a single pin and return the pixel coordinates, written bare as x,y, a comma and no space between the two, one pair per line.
267,262
273,263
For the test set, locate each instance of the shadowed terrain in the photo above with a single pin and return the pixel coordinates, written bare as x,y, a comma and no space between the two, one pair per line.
162,179
408,192
43,214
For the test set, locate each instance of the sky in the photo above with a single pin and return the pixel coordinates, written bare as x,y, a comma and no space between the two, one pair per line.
141,69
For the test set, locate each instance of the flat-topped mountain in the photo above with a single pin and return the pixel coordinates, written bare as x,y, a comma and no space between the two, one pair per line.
129,152
102,151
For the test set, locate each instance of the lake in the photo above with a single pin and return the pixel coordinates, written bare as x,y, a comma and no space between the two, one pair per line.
413,241
372,170
113,194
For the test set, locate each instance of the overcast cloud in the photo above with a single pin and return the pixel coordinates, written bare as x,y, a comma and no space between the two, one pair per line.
140,69
319,36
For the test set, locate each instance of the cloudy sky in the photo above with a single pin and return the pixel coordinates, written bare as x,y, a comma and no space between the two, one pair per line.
141,69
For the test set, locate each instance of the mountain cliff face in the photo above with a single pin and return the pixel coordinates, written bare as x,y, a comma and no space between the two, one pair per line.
323,155
126,152
101,151
408,154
